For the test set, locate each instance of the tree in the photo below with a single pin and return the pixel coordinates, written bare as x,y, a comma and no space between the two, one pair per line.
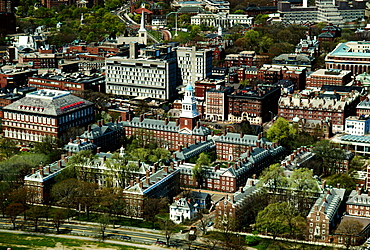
14,169
169,228
328,155
280,218
273,178
349,229
59,217
344,180
103,222
199,168
7,148
23,196
280,131
4,196
64,193
86,196
49,146
152,207
302,180
12,211
227,224
35,213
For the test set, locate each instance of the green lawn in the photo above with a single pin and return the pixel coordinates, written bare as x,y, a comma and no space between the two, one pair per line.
27,241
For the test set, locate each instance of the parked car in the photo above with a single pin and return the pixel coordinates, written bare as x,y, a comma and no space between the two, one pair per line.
159,242
125,237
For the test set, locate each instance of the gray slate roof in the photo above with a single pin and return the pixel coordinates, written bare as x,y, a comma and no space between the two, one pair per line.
48,103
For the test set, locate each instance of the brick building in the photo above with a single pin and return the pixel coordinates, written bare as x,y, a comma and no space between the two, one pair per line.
329,77
170,134
41,180
244,58
45,112
15,78
333,107
217,103
74,82
37,60
324,216
274,73
253,104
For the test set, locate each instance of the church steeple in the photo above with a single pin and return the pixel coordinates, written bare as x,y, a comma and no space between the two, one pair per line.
142,31
189,114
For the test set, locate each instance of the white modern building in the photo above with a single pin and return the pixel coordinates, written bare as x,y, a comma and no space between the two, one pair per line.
221,19
183,209
357,125
151,75
327,11
194,65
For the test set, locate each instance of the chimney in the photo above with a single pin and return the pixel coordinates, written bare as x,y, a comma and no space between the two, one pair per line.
166,121
357,187
141,184
251,182
41,171
70,140
147,173
147,180
59,163
33,170
137,179
104,158
165,168
155,166
258,144
241,190
141,118
232,198
179,148
48,169
139,163
235,166
316,207
131,183
323,184
291,157
254,176
241,134
98,150
89,128
338,185
172,166
259,136
228,164
198,124
100,123
177,122
328,191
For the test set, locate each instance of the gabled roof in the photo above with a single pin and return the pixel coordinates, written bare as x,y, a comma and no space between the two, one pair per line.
329,202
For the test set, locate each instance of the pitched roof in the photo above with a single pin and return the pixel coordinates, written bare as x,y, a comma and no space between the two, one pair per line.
49,102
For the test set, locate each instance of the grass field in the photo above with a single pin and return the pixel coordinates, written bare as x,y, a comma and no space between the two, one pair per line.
28,241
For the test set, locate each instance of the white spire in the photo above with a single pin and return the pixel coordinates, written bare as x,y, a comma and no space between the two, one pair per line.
142,25
219,32
189,103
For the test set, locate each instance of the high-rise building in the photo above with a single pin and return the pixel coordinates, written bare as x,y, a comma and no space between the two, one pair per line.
153,74
194,64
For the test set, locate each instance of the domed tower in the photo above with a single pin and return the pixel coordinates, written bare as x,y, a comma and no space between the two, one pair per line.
189,114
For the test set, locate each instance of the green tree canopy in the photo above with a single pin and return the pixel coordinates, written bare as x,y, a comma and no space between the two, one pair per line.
280,219
202,162
344,180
